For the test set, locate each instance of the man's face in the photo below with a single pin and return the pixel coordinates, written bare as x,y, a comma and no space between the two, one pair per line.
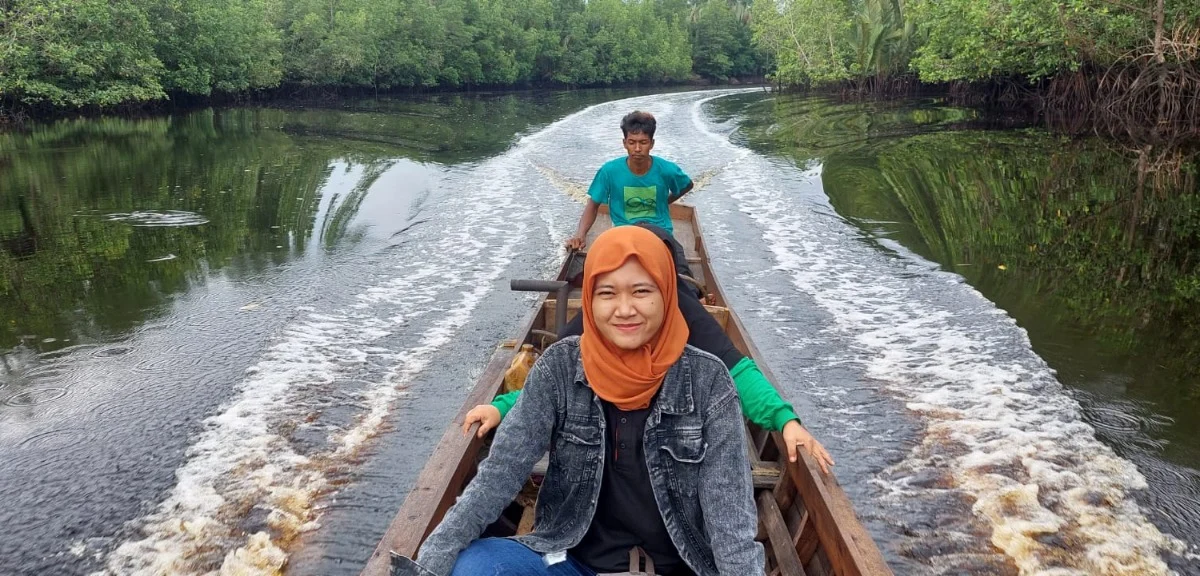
638,145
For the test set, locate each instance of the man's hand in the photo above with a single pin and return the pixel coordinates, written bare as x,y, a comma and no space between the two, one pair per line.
486,415
682,193
575,243
795,435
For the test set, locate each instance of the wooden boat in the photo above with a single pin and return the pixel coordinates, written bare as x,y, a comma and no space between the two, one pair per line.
806,522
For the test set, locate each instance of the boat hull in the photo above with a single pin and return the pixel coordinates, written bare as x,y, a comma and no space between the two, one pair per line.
806,522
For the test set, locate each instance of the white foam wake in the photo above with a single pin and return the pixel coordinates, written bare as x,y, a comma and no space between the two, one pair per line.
244,461
997,422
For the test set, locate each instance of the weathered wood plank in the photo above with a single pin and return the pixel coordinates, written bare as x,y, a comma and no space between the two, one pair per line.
850,549
760,437
785,491
751,450
765,475
819,565
804,532
777,534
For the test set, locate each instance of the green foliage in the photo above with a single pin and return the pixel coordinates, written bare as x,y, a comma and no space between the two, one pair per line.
77,52
722,44
618,41
221,45
882,38
947,40
809,39
821,41
101,53
974,40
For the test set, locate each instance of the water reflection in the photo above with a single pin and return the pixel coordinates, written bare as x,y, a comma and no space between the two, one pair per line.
1089,244
102,220
146,265
1066,236
112,216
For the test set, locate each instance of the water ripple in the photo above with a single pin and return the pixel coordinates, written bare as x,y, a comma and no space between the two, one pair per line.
50,439
158,218
35,397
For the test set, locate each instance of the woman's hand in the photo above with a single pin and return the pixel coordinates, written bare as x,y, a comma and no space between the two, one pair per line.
796,435
488,417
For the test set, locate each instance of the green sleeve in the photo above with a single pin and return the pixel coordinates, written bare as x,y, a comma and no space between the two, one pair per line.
504,402
760,401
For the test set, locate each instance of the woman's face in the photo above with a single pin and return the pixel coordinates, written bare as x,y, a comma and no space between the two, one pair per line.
627,306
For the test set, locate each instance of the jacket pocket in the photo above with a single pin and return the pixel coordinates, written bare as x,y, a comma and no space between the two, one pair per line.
577,450
686,446
687,449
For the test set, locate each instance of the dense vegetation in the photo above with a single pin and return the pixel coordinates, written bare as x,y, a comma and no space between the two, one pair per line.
1139,59
1130,56
945,40
101,53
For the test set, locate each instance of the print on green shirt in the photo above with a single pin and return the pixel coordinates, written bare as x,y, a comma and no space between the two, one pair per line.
641,202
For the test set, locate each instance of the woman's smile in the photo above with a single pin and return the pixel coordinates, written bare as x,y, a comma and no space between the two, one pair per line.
628,306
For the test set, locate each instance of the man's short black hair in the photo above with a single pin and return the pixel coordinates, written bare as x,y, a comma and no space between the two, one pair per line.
638,122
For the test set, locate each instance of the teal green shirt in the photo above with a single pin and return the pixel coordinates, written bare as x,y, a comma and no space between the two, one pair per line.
759,399
644,198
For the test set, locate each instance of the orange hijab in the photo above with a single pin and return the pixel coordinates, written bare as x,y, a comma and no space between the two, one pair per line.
630,378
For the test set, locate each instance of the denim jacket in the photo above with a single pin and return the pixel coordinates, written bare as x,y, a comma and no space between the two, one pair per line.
695,449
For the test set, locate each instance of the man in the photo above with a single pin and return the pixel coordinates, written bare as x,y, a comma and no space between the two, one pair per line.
638,187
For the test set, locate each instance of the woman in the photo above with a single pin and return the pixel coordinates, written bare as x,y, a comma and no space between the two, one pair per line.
760,400
647,446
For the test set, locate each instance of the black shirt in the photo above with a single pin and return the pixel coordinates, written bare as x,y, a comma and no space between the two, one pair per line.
627,514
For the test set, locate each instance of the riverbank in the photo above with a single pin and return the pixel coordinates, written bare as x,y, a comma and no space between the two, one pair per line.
1074,103
62,56
17,118
1131,69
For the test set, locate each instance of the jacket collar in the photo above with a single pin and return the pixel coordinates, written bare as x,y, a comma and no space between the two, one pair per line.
675,396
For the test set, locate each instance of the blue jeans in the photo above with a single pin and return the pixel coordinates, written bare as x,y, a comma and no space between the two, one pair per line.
504,557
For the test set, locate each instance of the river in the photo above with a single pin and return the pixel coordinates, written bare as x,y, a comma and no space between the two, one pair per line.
232,337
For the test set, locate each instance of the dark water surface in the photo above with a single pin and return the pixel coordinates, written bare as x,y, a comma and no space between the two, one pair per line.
1090,245
192,289
231,338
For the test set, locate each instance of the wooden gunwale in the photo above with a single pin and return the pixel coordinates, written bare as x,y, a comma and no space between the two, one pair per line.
806,508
